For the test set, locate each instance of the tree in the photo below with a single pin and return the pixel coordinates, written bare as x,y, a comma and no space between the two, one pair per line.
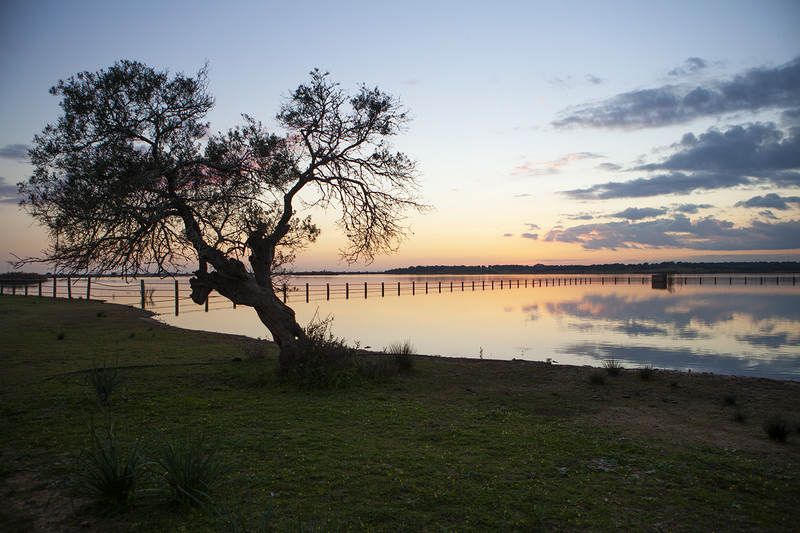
128,179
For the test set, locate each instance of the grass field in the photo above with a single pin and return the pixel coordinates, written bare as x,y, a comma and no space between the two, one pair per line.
456,444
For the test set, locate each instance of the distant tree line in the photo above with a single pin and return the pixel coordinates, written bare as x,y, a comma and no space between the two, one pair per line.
678,267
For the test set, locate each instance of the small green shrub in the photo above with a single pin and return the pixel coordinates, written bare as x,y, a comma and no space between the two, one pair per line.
105,472
777,428
403,353
613,367
105,380
729,399
324,362
647,372
190,467
596,378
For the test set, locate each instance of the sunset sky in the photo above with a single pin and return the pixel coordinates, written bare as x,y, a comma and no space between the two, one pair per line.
558,132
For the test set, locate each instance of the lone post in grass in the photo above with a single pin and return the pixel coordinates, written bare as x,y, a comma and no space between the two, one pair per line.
88,287
176,298
141,291
69,288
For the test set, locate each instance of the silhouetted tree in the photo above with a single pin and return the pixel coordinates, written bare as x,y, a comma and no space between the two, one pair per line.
128,179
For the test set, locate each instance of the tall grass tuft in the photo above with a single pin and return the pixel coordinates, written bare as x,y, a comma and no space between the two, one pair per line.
105,380
403,353
106,472
777,428
613,367
190,467
647,372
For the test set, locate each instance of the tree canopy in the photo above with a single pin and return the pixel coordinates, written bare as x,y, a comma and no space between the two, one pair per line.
130,178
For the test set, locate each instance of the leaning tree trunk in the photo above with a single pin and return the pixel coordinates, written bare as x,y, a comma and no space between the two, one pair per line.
286,332
278,317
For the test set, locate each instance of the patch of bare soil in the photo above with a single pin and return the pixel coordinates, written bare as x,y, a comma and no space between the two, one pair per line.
31,504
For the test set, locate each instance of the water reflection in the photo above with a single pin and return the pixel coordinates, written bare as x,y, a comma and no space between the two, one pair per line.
748,330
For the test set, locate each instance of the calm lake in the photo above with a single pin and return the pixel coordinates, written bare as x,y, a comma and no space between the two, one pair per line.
727,328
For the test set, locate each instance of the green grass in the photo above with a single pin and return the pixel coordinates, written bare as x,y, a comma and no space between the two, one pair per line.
458,444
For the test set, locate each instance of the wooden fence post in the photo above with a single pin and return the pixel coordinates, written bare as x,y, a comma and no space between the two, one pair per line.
285,295
88,287
54,287
365,290
347,291
413,288
69,288
398,288
40,288
383,290
141,291
306,292
327,291
176,298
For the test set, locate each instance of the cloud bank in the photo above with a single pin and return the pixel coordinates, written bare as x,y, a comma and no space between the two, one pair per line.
753,90
679,231
749,154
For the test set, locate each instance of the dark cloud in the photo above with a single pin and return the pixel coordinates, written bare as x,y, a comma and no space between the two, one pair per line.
9,194
749,149
671,183
749,154
594,80
752,90
791,117
610,167
770,201
17,152
531,225
638,213
707,233
691,208
523,195
692,65
532,236
508,234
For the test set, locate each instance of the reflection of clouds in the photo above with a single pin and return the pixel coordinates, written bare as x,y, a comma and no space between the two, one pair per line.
532,311
637,328
770,340
681,310
685,358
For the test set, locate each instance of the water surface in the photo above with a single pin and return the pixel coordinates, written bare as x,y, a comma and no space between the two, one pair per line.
751,330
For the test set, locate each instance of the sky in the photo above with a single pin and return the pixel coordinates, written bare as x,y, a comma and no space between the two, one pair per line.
544,132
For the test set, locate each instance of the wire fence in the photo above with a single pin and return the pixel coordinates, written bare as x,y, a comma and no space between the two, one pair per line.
172,295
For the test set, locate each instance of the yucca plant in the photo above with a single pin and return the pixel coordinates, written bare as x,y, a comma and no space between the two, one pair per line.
106,472
190,467
105,380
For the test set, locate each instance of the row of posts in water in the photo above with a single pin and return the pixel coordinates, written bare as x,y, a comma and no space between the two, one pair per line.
24,285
